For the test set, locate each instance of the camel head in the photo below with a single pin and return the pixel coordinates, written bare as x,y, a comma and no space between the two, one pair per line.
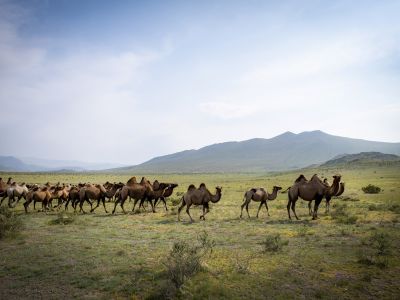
219,189
277,188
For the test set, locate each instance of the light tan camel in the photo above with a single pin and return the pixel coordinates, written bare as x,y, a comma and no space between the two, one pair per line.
258,195
201,196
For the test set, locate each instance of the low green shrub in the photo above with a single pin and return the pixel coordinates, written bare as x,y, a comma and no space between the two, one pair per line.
376,250
185,259
371,189
341,215
274,243
10,223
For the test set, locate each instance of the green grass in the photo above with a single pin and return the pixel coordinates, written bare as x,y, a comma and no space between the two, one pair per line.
106,256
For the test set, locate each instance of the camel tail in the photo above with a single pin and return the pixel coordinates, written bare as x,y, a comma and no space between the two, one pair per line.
285,191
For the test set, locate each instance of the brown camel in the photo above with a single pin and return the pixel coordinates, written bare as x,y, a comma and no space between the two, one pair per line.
311,190
200,196
73,196
92,192
168,192
328,200
18,191
109,193
155,194
136,191
3,188
259,195
38,195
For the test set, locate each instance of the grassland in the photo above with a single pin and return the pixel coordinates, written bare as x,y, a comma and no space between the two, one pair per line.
101,255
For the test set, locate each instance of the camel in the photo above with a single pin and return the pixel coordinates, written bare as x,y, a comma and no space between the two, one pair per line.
311,190
60,193
328,202
200,196
92,192
3,188
109,193
259,195
38,195
155,194
136,191
168,192
16,190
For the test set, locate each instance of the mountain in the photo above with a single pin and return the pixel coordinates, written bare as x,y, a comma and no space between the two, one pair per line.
283,152
363,159
10,163
30,164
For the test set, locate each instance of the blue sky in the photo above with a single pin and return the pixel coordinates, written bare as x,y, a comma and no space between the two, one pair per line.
124,81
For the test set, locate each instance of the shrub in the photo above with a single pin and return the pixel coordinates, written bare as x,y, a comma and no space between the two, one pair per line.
9,222
63,218
340,215
175,201
394,207
185,259
242,264
371,189
377,250
274,243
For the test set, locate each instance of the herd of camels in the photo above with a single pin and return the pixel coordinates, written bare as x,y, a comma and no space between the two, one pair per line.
314,189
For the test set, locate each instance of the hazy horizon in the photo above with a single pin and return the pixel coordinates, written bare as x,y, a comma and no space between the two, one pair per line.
124,82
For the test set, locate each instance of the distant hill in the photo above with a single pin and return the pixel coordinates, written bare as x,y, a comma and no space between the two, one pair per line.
363,159
30,164
283,152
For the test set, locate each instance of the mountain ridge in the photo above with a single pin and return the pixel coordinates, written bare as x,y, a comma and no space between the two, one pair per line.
283,152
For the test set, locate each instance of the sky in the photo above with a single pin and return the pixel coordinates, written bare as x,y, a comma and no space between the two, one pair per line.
125,81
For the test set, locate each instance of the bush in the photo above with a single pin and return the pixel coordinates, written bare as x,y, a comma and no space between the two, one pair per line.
185,259
175,201
377,250
340,215
63,218
371,189
274,243
9,222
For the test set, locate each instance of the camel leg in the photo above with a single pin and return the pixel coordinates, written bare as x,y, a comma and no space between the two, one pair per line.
26,204
187,211
288,208
241,208
259,207
205,211
293,206
266,206
66,204
98,203
134,204
10,200
115,205
317,202
247,209
104,205
34,205
309,208
328,205
165,203
180,208
4,197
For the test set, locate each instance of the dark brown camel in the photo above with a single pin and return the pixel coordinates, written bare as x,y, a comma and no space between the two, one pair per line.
168,192
38,195
258,195
92,192
200,196
311,190
328,200
155,194
109,193
136,191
